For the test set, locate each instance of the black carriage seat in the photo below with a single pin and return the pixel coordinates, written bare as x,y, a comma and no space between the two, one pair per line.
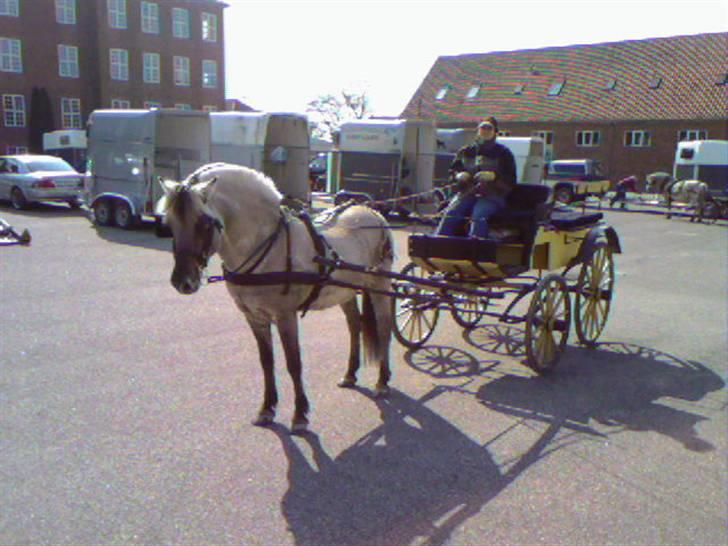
568,219
525,207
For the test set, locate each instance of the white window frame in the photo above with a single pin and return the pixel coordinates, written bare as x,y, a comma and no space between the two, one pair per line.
152,70
442,93
183,106
692,134
209,74
11,55
181,23
149,104
209,27
120,104
66,12
473,92
588,139
119,64
68,61
13,110
150,17
116,13
10,8
181,71
637,139
546,136
71,113
16,150
209,108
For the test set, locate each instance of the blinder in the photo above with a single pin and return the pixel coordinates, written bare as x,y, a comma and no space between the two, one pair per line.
204,232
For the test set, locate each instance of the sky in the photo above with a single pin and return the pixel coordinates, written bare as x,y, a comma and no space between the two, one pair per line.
282,54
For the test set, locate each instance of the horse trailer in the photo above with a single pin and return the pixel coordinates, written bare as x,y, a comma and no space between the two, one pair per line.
128,150
276,144
704,160
384,160
68,144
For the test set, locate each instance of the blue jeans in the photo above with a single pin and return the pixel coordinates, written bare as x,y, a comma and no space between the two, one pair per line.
477,209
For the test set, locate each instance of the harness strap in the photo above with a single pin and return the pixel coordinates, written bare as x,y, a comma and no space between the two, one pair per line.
324,272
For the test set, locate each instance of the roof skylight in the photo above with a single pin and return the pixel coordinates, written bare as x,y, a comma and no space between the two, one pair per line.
556,87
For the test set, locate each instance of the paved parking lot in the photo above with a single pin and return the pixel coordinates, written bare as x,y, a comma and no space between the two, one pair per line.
126,410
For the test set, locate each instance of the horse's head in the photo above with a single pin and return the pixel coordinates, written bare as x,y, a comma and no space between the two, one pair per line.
196,230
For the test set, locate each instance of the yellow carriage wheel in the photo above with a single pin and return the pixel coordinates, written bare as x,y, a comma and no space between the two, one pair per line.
414,318
547,323
594,294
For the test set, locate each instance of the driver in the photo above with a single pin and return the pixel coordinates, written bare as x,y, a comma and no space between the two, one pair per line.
483,187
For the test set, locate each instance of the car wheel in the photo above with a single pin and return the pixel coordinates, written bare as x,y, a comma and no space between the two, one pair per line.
18,200
123,217
102,212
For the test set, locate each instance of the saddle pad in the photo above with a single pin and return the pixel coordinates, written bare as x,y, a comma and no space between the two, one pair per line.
568,220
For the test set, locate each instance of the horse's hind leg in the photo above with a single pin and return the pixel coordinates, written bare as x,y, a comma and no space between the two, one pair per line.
353,320
262,332
288,329
378,309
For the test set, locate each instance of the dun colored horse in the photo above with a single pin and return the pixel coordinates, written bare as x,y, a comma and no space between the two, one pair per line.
237,213
693,192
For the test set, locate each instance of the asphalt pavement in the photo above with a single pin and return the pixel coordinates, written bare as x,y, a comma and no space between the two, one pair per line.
127,408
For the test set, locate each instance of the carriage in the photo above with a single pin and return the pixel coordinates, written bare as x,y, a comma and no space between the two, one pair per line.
470,277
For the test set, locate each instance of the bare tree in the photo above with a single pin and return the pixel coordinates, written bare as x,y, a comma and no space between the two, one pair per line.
328,112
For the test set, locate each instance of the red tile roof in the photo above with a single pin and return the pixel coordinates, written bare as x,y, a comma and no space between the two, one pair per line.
656,79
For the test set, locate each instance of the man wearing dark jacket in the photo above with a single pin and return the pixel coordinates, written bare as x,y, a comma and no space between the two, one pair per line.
487,173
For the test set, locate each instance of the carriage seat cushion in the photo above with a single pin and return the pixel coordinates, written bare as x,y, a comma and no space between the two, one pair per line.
522,203
452,248
573,219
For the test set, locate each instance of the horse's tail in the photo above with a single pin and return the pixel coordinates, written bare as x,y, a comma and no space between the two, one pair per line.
370,330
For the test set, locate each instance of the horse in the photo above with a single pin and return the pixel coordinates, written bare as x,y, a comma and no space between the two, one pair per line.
693,192
238,213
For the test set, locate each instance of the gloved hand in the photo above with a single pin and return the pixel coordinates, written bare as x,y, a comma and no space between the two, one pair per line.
464,180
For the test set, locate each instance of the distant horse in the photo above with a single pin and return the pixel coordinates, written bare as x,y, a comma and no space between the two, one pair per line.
237,212
693,192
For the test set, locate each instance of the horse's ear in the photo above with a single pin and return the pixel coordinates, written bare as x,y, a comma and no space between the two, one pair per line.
168,186
208,187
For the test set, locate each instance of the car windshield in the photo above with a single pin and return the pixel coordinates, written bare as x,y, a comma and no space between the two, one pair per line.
48,164
567,168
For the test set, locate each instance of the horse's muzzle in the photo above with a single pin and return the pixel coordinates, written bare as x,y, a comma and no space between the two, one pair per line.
186,277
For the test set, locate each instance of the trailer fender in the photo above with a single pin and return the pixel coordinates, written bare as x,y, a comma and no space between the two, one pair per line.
112,196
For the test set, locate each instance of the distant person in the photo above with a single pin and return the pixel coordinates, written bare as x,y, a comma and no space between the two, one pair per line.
486,171
621,189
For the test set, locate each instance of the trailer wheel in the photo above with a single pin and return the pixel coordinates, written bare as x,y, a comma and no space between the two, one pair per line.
102,212
564,194
123,216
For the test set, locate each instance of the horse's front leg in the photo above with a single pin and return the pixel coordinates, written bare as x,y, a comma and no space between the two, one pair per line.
262,332
288,330
353,320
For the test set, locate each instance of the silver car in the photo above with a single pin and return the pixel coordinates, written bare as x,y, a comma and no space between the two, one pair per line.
26,179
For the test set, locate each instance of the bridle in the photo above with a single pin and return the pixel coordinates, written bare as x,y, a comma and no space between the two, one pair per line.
206,225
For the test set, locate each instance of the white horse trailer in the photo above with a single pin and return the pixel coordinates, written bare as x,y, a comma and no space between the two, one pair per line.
276,144
704,160
384,159
128,150
68,144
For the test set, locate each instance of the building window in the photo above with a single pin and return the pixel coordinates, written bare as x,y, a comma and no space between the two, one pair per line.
546,136
71,113
66,12
183,106
120,104
556,87
518,89
9,7
637,139
209,108
442,93
119,59
692,134
588,138
180,23
209,74
10,56
151,104
473,92
209,27
117,13
67,61
655,82
150,17
17,150
182,71
610,84
151,68
14,110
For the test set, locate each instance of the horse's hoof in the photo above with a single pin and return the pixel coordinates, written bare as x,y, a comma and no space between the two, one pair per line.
347,383
298,428
381,391
264,419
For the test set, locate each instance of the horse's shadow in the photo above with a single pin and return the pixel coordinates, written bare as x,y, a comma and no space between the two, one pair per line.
414,477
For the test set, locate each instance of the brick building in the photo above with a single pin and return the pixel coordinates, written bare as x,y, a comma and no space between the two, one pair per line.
91,54
625,103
